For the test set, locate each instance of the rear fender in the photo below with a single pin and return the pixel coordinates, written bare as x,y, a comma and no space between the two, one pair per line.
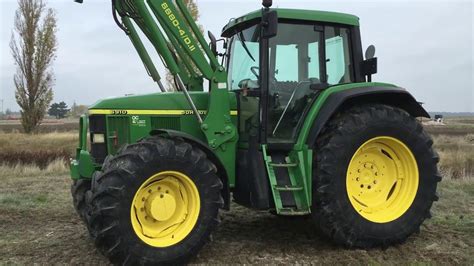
344,99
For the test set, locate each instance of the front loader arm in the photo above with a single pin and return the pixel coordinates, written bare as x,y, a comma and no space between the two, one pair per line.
168,23
184,34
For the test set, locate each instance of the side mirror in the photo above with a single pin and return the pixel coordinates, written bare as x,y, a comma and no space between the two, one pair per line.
213,43
370,52
369,65
267,3
269,23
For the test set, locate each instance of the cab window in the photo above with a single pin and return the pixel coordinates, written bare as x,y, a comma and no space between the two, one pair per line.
338,55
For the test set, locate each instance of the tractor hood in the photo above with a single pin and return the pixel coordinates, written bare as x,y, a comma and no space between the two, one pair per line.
158,101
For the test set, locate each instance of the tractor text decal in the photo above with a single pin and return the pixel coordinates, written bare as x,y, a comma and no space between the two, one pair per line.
176,23
119,112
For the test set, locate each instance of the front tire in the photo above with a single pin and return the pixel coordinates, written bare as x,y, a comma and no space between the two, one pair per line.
375,177
79,189
155,202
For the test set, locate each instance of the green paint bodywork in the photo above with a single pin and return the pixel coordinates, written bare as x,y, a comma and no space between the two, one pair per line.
294,14
313,113
187,123
160,101
83,166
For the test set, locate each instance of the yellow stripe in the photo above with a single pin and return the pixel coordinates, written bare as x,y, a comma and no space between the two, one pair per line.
147,112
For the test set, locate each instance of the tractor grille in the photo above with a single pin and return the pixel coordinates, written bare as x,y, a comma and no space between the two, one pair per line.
118,132
173,123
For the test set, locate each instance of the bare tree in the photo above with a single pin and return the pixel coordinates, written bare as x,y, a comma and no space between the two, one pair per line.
33,45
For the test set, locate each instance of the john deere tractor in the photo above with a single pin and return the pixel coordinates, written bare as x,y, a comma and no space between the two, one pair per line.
284,118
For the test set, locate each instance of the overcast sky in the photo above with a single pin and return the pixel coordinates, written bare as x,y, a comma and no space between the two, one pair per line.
424,46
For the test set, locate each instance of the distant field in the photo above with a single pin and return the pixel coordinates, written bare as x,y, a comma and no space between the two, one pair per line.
454,140
9,126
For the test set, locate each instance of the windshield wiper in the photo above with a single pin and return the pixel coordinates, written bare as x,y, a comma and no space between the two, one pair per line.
244,45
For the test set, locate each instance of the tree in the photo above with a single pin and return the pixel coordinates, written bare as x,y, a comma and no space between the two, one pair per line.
194,11
77,110
33,45
58,110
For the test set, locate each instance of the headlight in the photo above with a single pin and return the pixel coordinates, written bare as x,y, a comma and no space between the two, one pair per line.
98,138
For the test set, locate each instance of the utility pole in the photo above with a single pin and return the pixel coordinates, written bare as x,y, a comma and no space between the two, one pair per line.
1,100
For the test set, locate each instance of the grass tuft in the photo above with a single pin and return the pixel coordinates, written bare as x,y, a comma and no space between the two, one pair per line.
456,155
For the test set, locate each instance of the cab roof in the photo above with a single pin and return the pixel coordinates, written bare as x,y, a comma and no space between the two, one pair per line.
294,14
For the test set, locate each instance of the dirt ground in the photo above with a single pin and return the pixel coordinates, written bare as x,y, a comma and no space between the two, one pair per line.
38,225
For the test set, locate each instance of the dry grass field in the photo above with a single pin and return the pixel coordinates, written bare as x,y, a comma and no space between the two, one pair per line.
39,225
39,149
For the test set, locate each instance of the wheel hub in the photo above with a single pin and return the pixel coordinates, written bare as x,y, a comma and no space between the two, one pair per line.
376,181
160,206
165,209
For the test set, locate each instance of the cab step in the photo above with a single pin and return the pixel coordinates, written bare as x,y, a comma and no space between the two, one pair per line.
283,164
288,182
293,212
288,188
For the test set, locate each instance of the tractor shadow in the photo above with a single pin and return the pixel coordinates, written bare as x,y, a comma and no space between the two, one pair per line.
248,236
271,230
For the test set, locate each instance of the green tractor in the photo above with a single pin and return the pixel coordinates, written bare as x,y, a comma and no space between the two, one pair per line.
290,122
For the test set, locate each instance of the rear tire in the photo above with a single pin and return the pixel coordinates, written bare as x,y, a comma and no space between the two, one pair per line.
139,173
341,211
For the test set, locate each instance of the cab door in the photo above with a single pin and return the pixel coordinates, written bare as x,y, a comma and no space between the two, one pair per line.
305,59
297,75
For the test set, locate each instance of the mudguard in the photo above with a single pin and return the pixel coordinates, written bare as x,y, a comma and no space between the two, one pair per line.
340,100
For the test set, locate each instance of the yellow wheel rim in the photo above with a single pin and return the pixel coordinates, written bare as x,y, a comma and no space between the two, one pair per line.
382,179
165,209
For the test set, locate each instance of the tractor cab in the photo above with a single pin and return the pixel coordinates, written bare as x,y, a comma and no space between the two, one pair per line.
311,50
277,73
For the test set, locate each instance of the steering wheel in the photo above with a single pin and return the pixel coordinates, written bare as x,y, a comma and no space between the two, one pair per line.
254,70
